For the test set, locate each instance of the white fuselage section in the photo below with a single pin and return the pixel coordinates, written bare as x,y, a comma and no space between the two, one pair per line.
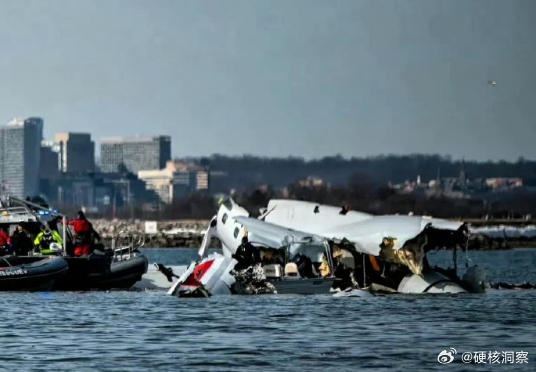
228,230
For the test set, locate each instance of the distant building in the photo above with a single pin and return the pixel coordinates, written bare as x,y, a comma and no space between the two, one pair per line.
135,154
176,181
20,156
50,160
96,189
76,152
461,187
504,183
313,182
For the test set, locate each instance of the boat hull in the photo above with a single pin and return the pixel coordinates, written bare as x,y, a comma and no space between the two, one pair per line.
96,272
32,276
123,274
303,286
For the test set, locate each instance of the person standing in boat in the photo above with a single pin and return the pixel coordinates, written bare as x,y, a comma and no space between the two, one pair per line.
325,269
84,235
21,243
4,242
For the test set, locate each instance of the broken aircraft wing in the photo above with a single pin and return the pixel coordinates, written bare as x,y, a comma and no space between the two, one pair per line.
369,234
274,235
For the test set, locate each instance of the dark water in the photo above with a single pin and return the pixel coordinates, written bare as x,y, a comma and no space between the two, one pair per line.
130,331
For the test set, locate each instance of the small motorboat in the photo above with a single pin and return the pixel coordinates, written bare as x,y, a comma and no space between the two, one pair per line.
118,267
17,274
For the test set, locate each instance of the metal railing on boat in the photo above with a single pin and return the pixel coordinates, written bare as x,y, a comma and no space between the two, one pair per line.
125,244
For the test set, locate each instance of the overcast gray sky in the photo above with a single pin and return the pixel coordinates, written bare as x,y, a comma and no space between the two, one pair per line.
278,77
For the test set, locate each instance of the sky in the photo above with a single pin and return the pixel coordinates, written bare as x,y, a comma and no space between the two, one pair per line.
279,77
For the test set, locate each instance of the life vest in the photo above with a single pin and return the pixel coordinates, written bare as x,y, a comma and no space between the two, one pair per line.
374,263
47,237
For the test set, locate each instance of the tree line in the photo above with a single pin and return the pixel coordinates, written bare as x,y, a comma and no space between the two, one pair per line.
359,193
360,183
245,172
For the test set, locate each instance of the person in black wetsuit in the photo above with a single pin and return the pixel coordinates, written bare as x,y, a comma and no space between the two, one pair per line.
21,242
246,255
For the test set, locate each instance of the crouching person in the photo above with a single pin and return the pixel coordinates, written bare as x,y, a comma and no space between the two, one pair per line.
48,242
246,254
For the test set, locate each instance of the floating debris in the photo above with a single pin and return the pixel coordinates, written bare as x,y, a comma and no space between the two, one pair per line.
502,285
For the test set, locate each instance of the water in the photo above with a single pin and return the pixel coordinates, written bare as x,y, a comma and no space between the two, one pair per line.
131,331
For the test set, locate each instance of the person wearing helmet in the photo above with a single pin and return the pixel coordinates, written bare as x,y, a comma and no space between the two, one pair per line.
43,242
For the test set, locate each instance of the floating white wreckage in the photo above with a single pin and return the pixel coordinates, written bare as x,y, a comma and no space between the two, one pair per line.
298,247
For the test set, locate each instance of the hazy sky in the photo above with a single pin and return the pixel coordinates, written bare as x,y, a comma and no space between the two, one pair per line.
307,78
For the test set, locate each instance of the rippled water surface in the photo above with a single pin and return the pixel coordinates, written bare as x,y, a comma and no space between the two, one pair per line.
138,331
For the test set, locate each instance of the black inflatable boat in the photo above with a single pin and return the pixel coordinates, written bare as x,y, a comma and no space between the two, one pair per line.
123,274
103,269
101,272
17,274
97,271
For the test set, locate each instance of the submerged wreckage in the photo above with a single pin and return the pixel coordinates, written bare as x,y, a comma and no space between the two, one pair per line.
298,247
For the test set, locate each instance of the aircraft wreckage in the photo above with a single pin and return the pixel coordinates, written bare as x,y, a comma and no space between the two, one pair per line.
298,247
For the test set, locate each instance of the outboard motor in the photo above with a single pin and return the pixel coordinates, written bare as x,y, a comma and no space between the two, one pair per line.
305,266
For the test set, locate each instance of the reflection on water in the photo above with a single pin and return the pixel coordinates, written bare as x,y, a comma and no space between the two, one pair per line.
133,331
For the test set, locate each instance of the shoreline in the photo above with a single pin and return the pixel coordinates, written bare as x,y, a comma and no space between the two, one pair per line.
189,234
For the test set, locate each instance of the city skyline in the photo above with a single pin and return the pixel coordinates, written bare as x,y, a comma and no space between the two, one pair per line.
303,78
97,145
64,169
59,142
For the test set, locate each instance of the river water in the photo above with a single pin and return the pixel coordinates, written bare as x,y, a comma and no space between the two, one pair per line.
149,331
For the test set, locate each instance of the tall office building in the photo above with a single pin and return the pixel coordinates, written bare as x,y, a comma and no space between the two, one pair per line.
135,153
76,151
50,165
20,157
